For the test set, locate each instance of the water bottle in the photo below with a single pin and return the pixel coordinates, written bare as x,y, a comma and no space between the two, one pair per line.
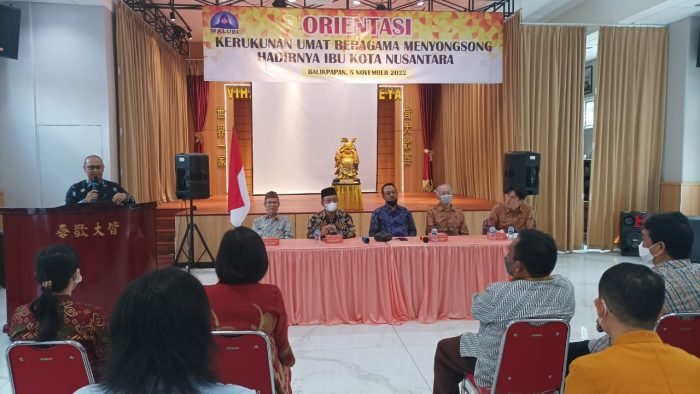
511,232
492,233
434,234
317,235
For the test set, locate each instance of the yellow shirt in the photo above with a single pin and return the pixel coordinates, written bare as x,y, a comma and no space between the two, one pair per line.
637,362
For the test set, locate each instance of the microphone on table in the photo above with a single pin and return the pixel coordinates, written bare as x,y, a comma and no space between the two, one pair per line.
365,239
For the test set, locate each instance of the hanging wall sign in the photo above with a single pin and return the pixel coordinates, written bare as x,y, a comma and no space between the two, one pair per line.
353,46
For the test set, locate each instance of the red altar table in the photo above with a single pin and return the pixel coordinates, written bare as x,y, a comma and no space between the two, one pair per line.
116,244
376,283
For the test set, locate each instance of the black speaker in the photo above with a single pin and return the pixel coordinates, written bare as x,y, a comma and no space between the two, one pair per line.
695,252
522,169
631,232
9,31
192,176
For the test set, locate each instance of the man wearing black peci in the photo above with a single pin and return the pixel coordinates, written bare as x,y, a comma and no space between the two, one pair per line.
95,188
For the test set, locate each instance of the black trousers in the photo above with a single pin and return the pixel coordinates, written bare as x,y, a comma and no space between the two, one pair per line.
450,368
576,349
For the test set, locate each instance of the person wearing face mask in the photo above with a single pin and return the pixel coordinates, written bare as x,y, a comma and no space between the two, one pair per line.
533,293
54,315
272,224
667,241
331,220
391,217
444,216
630,299
95,188
513,212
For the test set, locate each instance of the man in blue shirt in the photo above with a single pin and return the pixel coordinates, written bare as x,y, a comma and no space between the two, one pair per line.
392,218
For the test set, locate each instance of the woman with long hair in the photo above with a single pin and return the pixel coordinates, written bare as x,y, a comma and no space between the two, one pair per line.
161,339
239,302
54,315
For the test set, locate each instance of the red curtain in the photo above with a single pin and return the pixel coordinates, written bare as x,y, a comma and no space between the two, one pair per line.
197,100
429,98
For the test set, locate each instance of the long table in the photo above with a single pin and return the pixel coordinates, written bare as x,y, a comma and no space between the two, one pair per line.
376,283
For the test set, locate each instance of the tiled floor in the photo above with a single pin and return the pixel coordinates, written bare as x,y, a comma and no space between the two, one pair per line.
394,359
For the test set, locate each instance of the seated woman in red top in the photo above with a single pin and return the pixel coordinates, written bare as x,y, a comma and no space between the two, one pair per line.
54,315
239,302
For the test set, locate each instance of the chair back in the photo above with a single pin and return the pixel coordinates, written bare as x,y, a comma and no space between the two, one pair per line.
532,357
244,358
48,367
681,330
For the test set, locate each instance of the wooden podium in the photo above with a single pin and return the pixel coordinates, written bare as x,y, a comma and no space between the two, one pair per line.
116,244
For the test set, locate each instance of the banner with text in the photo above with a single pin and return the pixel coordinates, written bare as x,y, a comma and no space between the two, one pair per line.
355,46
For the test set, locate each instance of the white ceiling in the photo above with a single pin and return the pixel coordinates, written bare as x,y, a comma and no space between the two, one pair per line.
588,12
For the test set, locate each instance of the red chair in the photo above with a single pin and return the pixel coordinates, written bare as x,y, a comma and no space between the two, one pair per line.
532,358
244,358
48,367
681,330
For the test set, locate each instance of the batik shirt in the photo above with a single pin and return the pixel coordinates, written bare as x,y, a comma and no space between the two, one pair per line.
682,279
105,192
503,302
278,226
83,323
342,221
397,221
446,220
502,217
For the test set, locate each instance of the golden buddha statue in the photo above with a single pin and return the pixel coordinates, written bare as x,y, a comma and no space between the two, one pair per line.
347,162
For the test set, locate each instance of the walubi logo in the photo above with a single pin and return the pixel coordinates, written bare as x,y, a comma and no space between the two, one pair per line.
224,22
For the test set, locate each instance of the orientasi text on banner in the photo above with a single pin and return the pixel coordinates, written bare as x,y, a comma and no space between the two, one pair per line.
352,46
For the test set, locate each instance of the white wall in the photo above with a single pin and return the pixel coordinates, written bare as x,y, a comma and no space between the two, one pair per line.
682,134
57,99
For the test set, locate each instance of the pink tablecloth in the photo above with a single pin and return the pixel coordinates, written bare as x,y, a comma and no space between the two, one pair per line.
378,283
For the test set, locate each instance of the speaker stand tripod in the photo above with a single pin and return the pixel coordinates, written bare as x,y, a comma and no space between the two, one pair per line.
189,238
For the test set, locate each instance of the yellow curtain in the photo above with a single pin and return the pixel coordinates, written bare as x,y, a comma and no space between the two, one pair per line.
629,127
470,140
512,58
551,120
152,108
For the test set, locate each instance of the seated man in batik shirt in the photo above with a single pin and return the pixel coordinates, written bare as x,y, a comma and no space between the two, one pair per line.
272,224
391,217
532,293
445,217
667,241
513,212
331,220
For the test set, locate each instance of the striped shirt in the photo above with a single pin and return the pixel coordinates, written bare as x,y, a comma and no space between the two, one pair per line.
503,302
682,280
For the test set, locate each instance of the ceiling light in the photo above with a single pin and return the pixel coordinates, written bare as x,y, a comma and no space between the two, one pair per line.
356,2
189,35
420,3
172,16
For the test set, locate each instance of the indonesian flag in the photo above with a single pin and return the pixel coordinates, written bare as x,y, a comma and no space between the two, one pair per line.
238,200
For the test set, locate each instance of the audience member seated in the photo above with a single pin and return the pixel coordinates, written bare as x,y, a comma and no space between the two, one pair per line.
95,188
54,315
331,220
161,339
667,241
445,217
239,302
513,212
272,224
391,217
532,293
630,299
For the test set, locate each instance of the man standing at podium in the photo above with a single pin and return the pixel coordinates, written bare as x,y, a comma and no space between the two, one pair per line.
95,188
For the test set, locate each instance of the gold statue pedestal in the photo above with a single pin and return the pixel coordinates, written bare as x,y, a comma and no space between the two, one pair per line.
349,194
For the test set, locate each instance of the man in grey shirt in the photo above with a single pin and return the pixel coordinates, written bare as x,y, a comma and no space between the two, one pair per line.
272,224
533,293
